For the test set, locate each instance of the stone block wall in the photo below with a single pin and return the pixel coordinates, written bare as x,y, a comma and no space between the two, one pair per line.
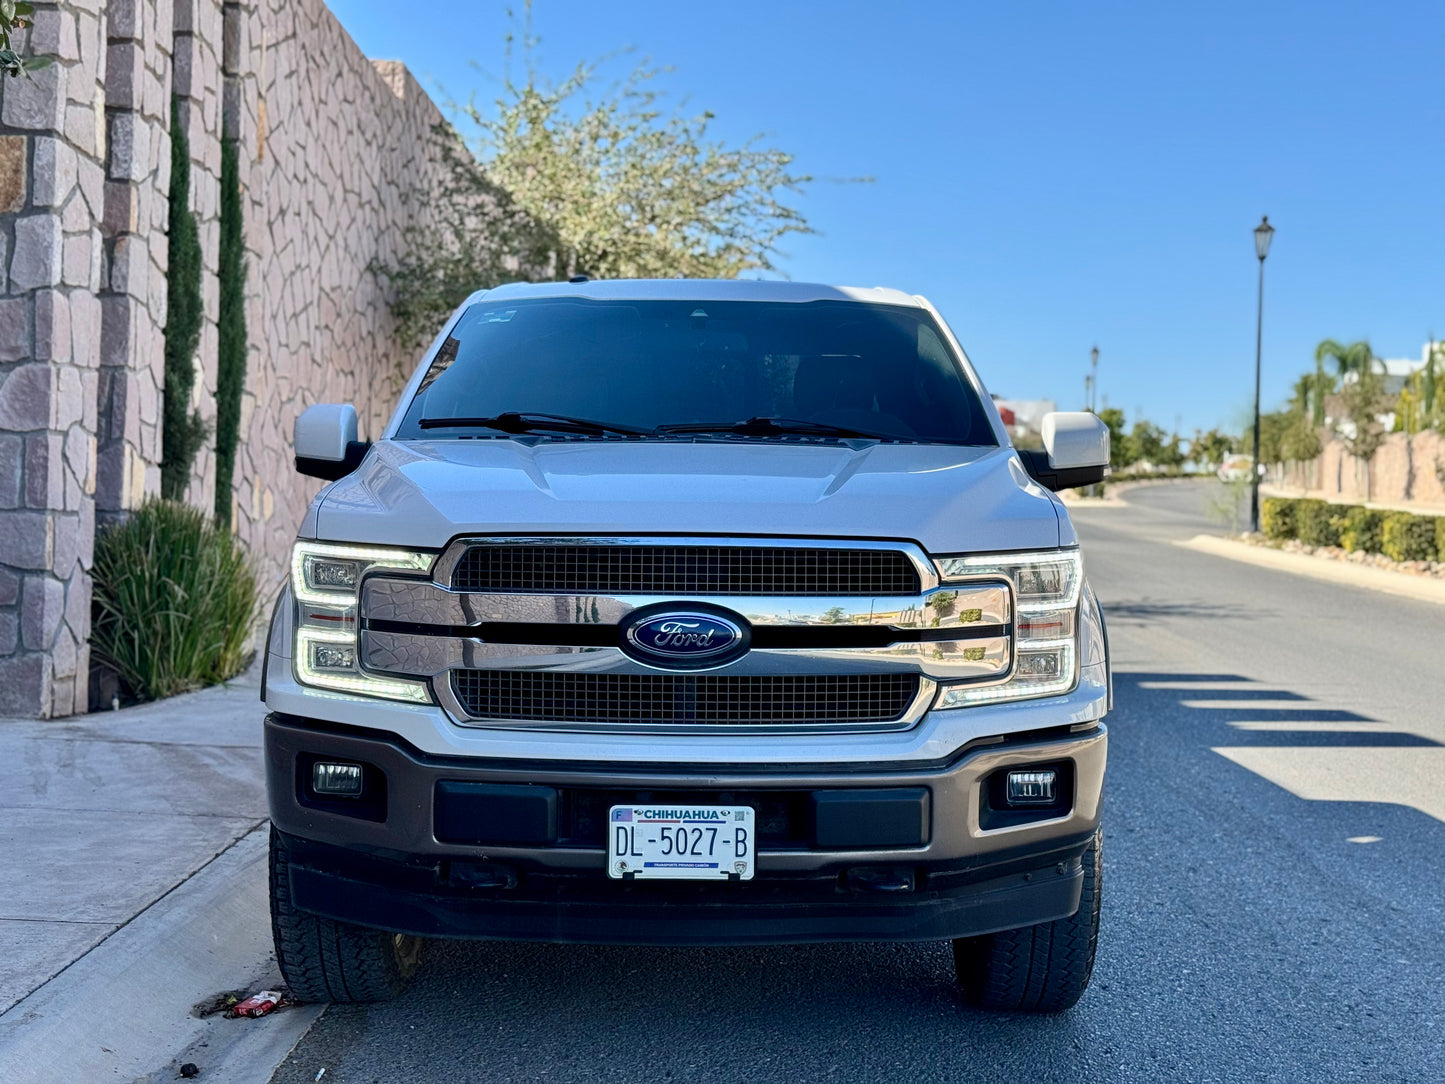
336,173
335,176
140,36
52,196
1405,470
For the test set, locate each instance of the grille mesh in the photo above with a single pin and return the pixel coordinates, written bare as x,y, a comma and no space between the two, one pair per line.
683,699
684,570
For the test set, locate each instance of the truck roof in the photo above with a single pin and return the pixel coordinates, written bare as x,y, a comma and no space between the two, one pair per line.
698,290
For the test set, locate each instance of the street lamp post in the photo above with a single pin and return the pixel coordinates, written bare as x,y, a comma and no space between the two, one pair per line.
1093,378
1263,234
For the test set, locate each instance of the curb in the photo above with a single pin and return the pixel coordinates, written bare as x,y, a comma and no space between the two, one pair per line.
1419,588
123,1010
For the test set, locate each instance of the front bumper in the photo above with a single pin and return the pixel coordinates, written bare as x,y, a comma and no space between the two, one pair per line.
396,860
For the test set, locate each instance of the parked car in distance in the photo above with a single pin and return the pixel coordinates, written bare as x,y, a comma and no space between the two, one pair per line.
1235,468
689,613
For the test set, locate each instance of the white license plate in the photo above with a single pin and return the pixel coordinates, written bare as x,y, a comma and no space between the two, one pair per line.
681,842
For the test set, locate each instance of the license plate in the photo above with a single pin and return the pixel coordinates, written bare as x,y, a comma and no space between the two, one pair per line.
680,842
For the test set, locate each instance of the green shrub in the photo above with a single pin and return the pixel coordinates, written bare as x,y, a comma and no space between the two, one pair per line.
1315,523
1276,517
1406,537
1440,539
1360,528
175,598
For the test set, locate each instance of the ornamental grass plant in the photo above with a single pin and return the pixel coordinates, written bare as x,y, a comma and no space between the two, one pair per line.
174,601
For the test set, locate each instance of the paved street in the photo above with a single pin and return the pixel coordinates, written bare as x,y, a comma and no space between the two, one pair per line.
1274,894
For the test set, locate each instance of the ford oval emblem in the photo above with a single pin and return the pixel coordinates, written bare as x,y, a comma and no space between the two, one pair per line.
683,637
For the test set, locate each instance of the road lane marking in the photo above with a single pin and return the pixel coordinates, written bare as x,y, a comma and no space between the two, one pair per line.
1203,686
1264,703
1397,776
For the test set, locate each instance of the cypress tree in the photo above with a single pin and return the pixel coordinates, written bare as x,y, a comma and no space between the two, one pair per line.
182,431
231,329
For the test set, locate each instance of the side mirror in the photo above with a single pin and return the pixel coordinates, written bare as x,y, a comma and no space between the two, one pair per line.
325,441
1076,451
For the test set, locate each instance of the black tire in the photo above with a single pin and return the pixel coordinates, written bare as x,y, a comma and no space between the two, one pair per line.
325,960
1043,968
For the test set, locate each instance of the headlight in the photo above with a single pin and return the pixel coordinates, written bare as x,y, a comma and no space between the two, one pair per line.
1046,593
326,583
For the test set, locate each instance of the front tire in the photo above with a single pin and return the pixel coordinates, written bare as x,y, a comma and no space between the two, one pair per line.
1043,968
326,960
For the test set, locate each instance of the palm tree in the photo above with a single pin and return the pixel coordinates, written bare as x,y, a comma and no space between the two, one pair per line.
1430,381
1299,402
1356,357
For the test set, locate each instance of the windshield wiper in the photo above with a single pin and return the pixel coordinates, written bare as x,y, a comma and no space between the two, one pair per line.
772,427
515,421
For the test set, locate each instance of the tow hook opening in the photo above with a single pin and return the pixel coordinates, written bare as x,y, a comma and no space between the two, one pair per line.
466,874
888,879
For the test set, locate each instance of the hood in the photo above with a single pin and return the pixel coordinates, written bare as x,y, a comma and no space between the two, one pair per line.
947,499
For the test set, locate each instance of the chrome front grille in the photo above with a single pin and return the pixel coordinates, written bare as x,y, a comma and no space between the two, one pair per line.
562,697
683,571
534,632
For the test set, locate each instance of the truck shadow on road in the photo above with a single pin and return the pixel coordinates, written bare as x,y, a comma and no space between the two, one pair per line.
1272,904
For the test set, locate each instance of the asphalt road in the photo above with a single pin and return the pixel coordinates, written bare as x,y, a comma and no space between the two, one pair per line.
1274,891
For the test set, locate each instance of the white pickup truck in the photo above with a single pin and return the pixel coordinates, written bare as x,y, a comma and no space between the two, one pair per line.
689,613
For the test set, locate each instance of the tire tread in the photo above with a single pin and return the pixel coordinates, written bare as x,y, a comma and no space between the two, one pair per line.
1043,968
325,960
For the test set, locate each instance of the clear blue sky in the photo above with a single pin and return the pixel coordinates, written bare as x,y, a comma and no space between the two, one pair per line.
1058,175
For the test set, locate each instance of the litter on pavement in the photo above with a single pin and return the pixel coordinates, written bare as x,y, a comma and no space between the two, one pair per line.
259,1004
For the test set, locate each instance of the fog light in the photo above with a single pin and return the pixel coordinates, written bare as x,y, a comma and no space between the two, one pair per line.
1029,788
336,780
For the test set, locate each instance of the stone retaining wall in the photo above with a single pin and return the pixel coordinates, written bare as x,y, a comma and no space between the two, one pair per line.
1405,470
335,178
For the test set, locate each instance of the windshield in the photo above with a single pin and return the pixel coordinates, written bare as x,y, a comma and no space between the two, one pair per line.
840,366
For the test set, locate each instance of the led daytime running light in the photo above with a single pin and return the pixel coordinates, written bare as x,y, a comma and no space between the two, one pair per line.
364,684
367,556
336,624
1012,565
1018,689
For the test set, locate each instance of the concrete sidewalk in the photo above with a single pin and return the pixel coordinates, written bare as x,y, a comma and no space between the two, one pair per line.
133,851
101,815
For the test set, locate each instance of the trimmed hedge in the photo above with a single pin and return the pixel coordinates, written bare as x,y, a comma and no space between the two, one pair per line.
1400,536
1407,537
1276,518
1315,523
1361,529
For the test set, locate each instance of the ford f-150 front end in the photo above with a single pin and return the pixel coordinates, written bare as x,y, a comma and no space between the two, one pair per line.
689,613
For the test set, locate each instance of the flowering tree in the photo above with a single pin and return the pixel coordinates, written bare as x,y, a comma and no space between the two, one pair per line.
583,177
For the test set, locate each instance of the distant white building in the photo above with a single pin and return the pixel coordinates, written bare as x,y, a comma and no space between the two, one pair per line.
1397,370
1024,416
